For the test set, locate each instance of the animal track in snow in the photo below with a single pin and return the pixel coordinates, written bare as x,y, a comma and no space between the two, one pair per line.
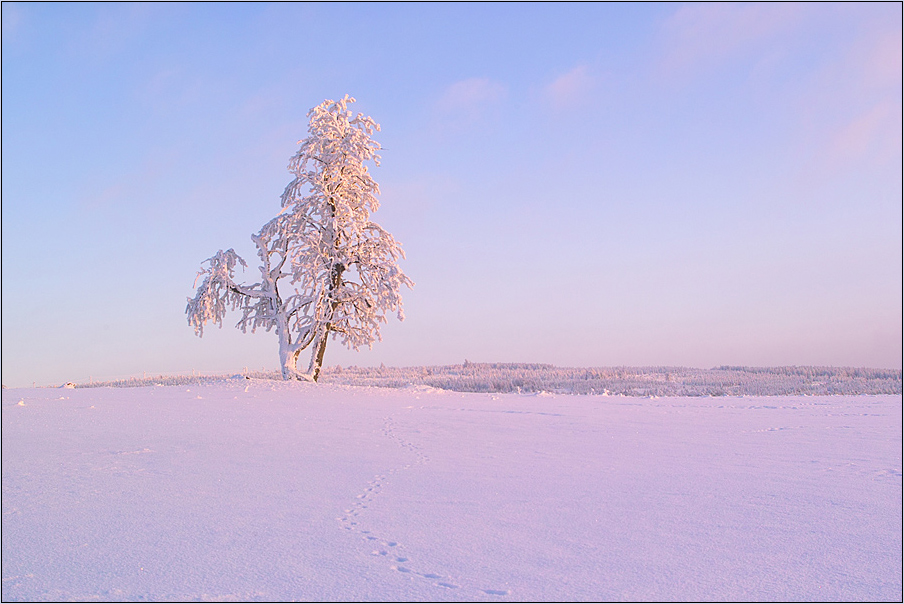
429,576
387,548
389,432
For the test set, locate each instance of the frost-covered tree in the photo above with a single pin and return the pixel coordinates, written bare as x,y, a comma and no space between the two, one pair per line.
326,269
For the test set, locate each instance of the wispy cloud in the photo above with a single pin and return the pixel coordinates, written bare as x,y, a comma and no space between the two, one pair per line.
466,101
131,188
874,130
844,97
882,63
702,36
12,19
569,89
117,30
853,105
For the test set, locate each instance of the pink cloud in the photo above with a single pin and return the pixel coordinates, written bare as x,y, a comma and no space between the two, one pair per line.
12,19
569,89
852,104
883,61
470,98
877,130
705,35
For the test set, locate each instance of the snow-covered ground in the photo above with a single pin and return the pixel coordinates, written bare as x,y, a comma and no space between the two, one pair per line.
261,490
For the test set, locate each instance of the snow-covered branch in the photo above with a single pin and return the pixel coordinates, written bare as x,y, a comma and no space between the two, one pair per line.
338,271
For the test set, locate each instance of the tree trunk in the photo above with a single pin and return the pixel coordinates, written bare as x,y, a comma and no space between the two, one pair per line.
288,363
317,359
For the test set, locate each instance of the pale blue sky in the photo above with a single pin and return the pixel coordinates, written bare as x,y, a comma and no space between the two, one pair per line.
581,184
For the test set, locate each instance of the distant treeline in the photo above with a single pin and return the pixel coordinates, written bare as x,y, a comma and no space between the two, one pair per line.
624,381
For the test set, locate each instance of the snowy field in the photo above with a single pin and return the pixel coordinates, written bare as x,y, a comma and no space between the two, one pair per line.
262,490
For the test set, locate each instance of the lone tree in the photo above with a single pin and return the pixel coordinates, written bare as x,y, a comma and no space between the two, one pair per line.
326,269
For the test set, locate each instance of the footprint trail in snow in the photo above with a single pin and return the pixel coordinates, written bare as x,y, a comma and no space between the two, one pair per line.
389,549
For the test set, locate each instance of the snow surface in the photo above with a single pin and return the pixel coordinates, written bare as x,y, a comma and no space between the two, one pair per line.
263,490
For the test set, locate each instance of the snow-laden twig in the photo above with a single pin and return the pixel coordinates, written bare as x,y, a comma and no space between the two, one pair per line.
326,269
